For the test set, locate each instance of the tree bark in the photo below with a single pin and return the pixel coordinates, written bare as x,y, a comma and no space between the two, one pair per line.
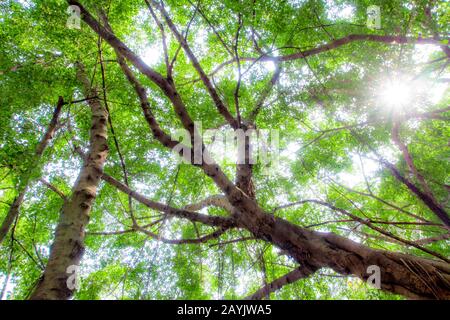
437,209
430,199
403,274
68,246
13,211
275,285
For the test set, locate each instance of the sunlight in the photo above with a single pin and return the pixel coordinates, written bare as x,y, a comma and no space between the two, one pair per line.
151,55
362,168
396,93
339,12
406,95
269,66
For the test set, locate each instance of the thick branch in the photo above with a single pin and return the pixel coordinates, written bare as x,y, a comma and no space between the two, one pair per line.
294,275
205,79
214,235
334,45
158,133
216,201
109,37
350,39
186,214
371,225
53,188
409,161
437,209
14,209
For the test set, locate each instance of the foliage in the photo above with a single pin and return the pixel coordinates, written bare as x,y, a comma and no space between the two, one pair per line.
314,98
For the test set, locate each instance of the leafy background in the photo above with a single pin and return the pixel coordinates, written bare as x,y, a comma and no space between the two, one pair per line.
37,55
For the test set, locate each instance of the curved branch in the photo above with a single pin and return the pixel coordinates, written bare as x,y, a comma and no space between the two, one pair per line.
219,201
223,110
409,161
436,208
53,188
329,46
137,228
294,275
186,214
14,209
371,225
213,235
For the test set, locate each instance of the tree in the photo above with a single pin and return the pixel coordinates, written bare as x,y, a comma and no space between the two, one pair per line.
137,190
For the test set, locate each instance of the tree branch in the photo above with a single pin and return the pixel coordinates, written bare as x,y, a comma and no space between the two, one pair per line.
436,208
371,225
205,79
297,274
53,188
186,214
216,201
14,209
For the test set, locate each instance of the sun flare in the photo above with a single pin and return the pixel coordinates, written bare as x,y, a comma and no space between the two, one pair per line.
396,93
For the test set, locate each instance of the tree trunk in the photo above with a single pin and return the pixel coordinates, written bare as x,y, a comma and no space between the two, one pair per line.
13,211
68,246
410,276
